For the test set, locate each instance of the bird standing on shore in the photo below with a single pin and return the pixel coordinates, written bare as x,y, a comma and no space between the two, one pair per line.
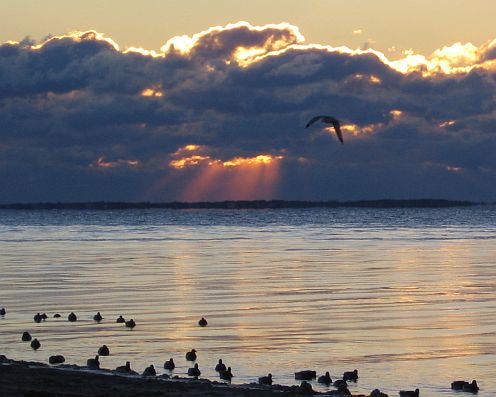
93,363
328,120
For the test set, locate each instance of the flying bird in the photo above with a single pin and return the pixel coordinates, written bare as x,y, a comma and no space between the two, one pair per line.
328,120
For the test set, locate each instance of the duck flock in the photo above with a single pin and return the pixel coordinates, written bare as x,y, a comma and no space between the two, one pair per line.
224,372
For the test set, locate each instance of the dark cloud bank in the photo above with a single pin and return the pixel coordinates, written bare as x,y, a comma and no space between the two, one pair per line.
82,120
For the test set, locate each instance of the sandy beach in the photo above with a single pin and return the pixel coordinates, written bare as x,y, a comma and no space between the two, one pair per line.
33,379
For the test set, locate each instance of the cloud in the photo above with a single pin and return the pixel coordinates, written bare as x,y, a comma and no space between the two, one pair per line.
221,115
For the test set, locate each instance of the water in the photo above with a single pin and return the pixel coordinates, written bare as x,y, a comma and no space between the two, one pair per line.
408,296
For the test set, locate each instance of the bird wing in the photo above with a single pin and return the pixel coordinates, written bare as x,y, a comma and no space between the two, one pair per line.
337,128
313,120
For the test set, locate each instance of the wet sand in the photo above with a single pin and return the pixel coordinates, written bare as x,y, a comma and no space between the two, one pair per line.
32,379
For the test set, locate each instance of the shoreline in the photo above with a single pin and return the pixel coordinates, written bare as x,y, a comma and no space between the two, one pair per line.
35,379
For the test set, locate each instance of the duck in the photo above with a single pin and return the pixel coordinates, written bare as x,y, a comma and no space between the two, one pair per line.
351,375
149,371
37,318
93,363
325,379
457,384
98,317
226,374
377,393
410,393
203,322
3,311
103,351
305,388
35,344
130,324
26,336
126,369
58,359
72,317
57,315
44,316
195,371
191,355
471,387
120,319
305,375
340,383
220,366
265,380
169,364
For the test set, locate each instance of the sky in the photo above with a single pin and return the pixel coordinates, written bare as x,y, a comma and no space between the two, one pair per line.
208,100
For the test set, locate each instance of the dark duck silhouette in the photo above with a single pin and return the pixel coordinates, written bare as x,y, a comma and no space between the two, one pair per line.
57,315
72,317
328,120
265,380
351,375
120,319
191,355
98,317
35,344
305,375
377,393
58,359
149,371
325,379
125,369
93,363
131,324
37,318
169,364
195,371
3,311
410,393
103,351
203,322
26,336
226,374
220,366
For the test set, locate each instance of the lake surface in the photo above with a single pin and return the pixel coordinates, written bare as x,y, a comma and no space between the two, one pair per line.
406,296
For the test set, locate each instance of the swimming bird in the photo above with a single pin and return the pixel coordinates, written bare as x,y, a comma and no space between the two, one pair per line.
35,344
305,375
328,120
37,318
340,383
169,364
98,317
191,355
72,317
130,324
93,363
325,379
103,350
220,366
471,387
458,384
126,369
195,371
226,374
58,359
149,371
120,319
265,380
351,375
26,336
305,388
409,393
44,316
57,315
203,322
3,311
377,393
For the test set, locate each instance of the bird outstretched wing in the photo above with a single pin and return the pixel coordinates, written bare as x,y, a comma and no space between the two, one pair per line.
328,120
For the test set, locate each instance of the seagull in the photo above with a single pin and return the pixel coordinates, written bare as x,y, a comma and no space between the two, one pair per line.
328,120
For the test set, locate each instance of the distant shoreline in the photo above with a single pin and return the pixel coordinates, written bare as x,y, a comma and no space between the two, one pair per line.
242,204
